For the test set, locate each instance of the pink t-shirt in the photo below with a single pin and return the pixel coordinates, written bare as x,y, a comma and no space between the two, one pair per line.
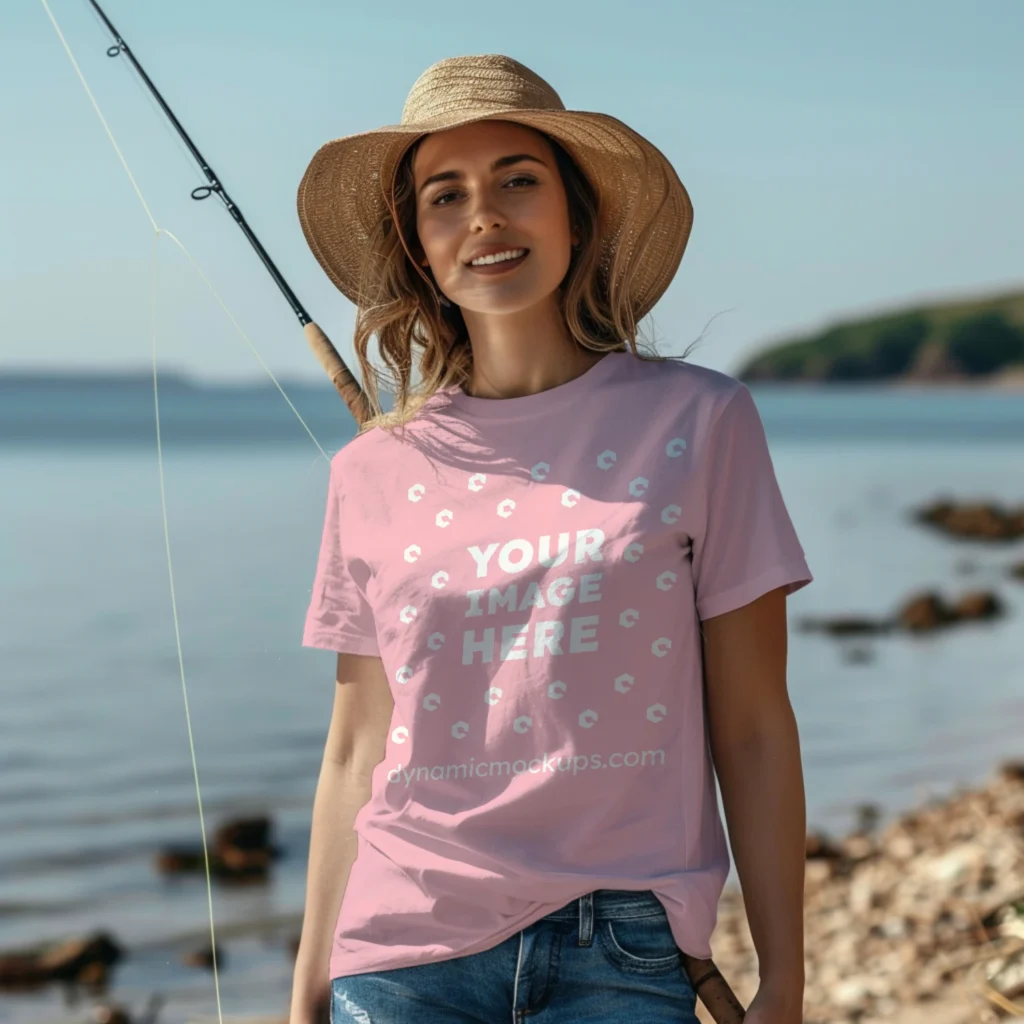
532,572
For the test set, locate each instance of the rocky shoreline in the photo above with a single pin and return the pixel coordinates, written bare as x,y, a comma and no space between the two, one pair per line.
920,921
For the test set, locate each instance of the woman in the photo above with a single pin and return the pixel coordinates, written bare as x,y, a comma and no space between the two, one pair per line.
531,570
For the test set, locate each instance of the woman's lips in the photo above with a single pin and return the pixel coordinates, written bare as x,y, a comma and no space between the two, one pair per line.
490,269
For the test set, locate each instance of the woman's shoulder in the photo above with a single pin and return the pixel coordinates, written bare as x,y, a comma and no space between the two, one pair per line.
368,450
675,378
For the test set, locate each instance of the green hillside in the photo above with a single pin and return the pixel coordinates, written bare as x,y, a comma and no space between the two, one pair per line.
974,339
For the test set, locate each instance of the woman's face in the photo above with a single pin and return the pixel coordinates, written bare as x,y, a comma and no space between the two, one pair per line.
488,202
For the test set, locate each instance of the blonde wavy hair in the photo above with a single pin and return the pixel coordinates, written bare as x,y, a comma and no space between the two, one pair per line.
406,314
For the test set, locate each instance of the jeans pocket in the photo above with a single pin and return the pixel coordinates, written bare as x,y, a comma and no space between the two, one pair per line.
641,944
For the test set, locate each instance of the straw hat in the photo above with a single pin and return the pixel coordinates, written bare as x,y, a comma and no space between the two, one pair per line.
341,195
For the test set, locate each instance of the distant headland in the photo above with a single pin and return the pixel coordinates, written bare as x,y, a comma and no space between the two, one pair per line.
130,381
964,341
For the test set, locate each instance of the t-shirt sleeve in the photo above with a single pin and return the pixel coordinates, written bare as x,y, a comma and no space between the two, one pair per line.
748,545
339,617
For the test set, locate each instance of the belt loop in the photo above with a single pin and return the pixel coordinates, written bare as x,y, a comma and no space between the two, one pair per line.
586,906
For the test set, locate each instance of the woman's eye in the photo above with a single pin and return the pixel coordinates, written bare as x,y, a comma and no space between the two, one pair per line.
526,178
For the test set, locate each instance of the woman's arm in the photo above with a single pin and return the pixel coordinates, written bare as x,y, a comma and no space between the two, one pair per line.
356,742
756,751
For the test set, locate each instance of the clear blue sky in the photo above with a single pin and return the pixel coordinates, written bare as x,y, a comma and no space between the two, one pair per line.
841,157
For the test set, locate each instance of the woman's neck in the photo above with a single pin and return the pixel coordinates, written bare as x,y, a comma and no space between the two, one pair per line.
522,353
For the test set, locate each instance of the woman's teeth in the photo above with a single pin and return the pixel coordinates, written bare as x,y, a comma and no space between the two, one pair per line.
498,257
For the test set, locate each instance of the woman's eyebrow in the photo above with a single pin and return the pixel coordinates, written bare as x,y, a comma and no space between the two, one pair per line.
502,161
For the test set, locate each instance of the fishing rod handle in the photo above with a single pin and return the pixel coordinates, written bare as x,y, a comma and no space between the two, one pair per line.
341,376
713,990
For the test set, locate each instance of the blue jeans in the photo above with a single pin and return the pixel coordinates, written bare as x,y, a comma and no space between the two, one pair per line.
607,956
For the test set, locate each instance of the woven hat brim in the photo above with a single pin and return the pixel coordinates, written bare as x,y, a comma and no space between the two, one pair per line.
341,195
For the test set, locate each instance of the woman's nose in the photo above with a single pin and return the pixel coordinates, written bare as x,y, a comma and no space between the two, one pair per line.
485,214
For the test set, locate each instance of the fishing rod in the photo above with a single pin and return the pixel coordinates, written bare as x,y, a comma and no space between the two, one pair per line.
346,384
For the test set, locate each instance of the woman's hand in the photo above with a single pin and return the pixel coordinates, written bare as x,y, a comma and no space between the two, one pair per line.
773,1005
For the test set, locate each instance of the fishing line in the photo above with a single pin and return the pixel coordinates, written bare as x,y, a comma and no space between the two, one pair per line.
163,231
154,280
